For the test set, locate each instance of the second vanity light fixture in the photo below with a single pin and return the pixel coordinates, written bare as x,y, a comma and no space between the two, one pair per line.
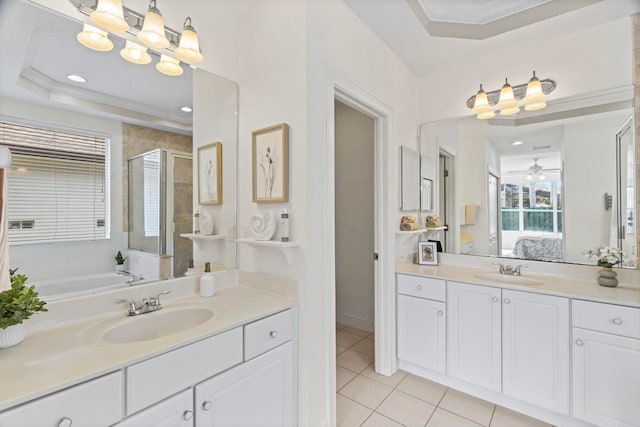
149,29
531,95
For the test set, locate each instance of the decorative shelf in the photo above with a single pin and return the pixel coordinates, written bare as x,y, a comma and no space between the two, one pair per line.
203,237
422,230
283,247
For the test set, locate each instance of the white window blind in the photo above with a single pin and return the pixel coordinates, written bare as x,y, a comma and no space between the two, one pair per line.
56,184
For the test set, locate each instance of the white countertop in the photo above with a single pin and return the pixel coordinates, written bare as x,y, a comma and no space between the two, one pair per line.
623,294
70,352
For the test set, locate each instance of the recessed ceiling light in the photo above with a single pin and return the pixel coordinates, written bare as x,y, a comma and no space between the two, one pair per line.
186,109
76,78
517,143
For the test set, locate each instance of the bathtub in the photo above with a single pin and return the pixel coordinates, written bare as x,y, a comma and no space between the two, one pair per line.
67,287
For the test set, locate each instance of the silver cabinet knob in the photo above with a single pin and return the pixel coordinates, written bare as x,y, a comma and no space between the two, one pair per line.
65,422
617,321
206,405
579,343
495,299
440,313
273,334
419,287
507,301
187,415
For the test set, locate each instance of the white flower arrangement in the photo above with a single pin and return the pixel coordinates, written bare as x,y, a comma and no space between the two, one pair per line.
606,256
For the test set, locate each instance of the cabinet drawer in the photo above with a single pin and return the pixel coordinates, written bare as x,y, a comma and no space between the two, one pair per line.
421,287
155,379
265,334
609,318
94,403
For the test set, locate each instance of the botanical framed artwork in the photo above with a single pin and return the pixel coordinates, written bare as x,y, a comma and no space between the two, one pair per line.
210,174
428,253
269,164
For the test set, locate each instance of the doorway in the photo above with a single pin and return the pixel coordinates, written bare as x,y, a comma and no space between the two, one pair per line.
494,215
446,200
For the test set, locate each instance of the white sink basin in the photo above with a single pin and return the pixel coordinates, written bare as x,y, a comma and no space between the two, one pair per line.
156,325
513,280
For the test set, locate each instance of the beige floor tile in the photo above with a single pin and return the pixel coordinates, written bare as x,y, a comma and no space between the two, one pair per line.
356,331
406,409
346,339
503,417
339,326
442,418
422,389
340,349
353,360
343,376
377,420
350,413
472,408
391,381
366,392
366,346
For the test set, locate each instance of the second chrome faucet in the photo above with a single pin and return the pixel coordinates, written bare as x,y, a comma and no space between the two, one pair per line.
146,306
509,270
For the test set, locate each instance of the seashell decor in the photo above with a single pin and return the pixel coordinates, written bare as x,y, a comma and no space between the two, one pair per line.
263,227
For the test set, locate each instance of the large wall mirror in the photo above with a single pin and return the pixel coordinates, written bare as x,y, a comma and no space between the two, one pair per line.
134,110
544,185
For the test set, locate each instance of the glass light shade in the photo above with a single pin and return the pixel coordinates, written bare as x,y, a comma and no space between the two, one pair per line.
189,49
152,33
508,111
109,14
169,66
541,177
506,100
135,53
486,115
529,177
535,106
534,99
94,38
481,103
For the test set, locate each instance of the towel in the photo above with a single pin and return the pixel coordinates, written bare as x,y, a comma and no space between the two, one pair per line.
409,226
408,219
433,221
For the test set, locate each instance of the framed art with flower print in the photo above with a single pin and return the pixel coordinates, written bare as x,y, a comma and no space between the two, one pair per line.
210,174
269,164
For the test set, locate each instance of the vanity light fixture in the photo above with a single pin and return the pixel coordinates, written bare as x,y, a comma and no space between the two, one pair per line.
535,171
94,38
189,48
135,53
531,95
152,33
169,66
109,14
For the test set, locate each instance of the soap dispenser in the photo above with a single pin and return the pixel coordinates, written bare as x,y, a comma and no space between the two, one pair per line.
207,282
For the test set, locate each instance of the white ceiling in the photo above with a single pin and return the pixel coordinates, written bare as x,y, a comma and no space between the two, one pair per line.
399,25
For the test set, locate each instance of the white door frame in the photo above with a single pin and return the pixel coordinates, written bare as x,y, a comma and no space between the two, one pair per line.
350,94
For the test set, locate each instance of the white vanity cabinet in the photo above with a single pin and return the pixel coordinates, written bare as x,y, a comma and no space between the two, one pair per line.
474,334
535,349
421,322
606,364
176,411
95,403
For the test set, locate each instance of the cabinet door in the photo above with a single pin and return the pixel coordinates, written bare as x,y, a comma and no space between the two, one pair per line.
421,332
474,334
606,379
259,392
535,349
95,403
176,411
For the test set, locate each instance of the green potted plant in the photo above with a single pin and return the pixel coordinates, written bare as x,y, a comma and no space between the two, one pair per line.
120,259
17,304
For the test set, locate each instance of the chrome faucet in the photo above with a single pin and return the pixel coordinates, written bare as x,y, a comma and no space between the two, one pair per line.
146,306
509,270
130,276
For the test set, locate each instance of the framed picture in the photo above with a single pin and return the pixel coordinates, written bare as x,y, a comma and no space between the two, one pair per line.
210,174
269,164
428,253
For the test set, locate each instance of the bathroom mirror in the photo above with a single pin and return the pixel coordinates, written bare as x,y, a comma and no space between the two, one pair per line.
136,109
410,179
544,185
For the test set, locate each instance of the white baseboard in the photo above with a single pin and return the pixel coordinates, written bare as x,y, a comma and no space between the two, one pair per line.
355,321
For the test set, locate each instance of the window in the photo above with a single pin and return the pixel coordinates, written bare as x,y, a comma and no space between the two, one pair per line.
532,206
57,185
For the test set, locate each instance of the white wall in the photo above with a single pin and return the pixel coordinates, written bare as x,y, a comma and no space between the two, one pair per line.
54,260
354,217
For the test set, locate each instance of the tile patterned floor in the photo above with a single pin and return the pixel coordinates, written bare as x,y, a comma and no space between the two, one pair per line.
366,399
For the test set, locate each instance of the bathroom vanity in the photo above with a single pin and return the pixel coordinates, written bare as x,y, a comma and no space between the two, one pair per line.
209,360
563,350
